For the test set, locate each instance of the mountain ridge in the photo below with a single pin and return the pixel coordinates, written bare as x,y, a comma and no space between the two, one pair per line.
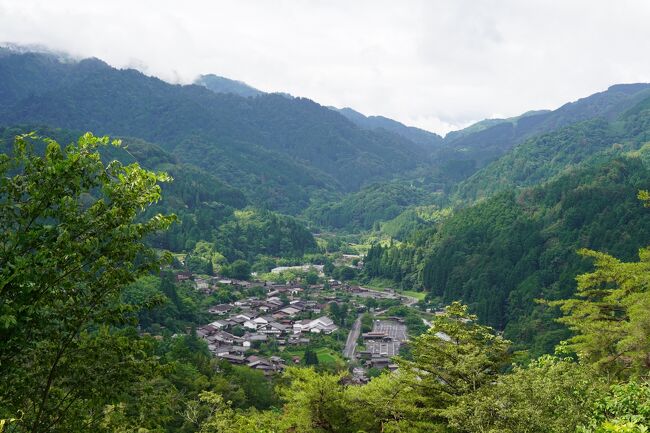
428,140
251,141
219,84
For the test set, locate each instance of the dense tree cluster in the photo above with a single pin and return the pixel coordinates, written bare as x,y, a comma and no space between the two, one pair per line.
65,256
207,210
374,203
502,254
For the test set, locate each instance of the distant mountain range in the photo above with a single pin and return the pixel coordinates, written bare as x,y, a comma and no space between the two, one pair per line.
280,151
225,85
428,140
284,153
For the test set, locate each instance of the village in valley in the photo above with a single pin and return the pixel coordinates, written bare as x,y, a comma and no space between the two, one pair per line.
330,324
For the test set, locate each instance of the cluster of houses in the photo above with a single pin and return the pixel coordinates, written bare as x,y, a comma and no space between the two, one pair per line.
288,316
209,285
257,321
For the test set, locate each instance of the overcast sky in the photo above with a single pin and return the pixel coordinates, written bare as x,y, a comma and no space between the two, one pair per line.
436,64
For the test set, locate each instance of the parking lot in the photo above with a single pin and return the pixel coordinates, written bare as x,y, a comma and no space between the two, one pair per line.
395,330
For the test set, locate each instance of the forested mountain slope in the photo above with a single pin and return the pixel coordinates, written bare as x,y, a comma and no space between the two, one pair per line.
498,154
428,140
283,153
485,144
207,209
377,202
502,254
279,150
544,156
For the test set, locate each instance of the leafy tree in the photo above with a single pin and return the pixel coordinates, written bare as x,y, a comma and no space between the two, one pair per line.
609,315
389,404
371,302
198,264
257,388
221,418
456,356
366,322
314,403
626,409
238,330
344,273
239,269
70,244
549,395
311,278
310,358
374,372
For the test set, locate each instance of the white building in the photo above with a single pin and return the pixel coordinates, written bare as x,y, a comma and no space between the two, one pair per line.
323,324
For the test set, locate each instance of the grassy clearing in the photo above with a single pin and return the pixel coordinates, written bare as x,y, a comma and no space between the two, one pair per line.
380,284
413,294
180,257
325,355
328,356
360,249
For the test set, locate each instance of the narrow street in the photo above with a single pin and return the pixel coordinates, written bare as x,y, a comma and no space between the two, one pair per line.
351,343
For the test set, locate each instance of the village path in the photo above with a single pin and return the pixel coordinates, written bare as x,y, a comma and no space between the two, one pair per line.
351,343
409,301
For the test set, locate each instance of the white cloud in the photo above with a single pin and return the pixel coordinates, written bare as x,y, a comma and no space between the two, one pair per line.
437,64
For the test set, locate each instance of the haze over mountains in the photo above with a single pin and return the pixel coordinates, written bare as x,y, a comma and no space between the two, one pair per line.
225,85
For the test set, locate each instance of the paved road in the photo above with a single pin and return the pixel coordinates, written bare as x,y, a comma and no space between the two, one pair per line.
351,343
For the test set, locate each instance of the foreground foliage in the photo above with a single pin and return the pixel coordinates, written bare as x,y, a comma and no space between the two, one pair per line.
500,255
70,243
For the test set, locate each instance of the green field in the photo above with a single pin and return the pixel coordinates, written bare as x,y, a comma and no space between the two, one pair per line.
417,295
328,356
325,355
379,284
